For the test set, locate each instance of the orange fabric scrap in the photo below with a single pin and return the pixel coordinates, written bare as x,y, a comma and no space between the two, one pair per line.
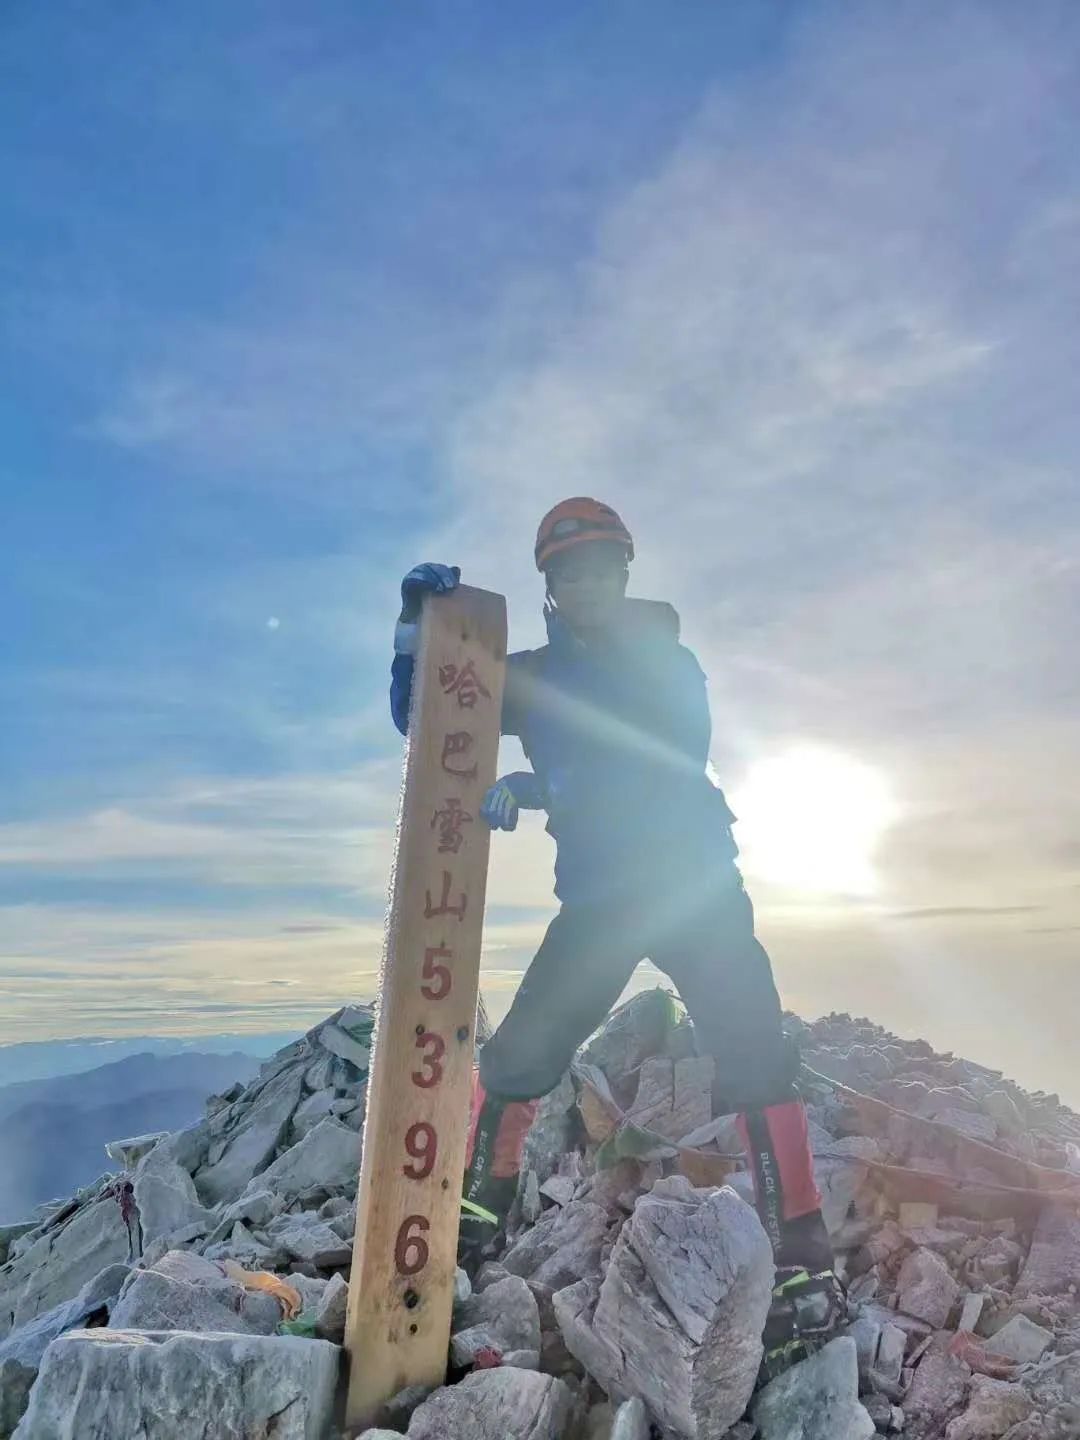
291,1301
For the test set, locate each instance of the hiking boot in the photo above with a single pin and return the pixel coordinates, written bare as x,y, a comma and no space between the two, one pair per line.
807,1309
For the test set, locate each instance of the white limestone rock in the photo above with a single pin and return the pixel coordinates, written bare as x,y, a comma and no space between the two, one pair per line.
61,1260
104,1384
496,1405
21,1352
817,1399
677,1319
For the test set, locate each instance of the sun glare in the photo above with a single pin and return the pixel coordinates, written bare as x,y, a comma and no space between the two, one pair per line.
811,819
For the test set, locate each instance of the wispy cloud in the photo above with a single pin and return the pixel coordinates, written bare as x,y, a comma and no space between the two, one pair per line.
314,830
819,354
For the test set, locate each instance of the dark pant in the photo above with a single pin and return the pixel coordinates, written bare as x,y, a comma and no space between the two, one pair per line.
702,935
705,943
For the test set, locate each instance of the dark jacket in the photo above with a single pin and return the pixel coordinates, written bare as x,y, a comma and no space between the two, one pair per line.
618,737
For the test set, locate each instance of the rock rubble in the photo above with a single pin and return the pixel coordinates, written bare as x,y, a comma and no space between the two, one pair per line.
202,1290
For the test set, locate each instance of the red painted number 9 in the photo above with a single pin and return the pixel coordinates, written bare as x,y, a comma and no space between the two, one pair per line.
421,1145
411,1251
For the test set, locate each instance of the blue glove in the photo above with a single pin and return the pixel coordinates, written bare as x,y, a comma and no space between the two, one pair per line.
519,791
421,580
426,579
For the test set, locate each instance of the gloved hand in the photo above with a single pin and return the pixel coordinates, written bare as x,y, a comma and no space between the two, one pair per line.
519,791
424,579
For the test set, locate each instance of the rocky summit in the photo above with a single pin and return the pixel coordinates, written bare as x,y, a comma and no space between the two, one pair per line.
199,1288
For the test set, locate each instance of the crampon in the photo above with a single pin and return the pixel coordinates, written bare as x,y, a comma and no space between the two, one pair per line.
807,1307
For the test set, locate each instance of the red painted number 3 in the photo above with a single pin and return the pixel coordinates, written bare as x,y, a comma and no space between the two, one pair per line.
431,1072
411,1250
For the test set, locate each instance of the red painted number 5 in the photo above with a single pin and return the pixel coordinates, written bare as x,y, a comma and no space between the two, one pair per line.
437,975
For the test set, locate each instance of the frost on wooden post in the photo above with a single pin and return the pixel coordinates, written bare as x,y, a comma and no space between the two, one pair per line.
408,1210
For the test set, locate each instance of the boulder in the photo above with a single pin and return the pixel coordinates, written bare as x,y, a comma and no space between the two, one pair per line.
631,1421
632,1033
551,1133
674,1097
248,1251
971,1311
61,1260
994,1407
331,1310
254,1127
866,1333
128,1153
677,1319
104,1384
1020,1340
1055,1389
310,1111
185,1292
496,1405
839,1174
344,1226
189,1147
255,1207
328,1155
340,1043
167,1200
504,1318
305,1237
938,1392
888,1362
817,1399
10,1234
926,1289
21,1352
563,1248
1053,1262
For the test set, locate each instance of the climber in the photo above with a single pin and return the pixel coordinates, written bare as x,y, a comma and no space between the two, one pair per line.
613,717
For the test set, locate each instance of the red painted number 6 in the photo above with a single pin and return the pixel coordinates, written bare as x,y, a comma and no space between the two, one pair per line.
431,1073
411,1251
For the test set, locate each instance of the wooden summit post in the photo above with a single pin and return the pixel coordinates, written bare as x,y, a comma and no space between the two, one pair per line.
408,1207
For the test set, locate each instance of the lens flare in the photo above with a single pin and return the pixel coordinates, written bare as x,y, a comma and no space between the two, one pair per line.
811,819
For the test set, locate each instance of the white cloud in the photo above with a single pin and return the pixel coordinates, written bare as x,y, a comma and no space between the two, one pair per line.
822,359
805,366
304,830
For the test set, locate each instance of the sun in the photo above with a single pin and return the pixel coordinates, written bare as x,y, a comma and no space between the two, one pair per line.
811,819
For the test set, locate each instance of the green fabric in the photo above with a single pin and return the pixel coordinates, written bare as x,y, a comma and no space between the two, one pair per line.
479,1211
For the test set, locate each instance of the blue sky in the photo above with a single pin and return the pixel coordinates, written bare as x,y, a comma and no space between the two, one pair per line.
294,296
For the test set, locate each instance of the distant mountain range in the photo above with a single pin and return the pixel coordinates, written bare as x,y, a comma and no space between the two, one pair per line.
40,1059
53,1132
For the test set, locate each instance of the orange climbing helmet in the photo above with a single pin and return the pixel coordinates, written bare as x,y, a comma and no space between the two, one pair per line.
578,522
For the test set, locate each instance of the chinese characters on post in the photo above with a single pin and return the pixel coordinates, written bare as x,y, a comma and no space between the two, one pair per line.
401,1285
